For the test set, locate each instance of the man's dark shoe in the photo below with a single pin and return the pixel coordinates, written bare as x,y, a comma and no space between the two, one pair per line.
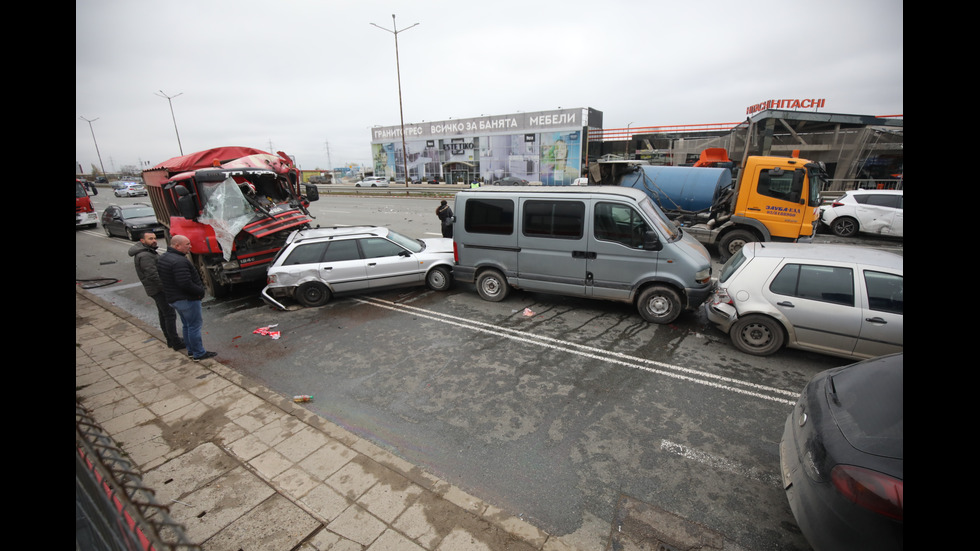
206,356
179,346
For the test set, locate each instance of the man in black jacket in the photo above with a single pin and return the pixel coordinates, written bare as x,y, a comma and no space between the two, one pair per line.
184,290
145,257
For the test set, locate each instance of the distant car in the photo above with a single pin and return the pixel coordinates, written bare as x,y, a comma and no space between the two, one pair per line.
131,221
511,181
834,299
373,181
580,182
129,189
866,210
319,263
841,457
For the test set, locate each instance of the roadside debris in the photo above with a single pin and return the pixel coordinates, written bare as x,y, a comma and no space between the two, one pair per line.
268,331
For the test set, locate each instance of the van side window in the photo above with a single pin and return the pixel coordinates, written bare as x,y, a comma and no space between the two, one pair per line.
619,223
342,250
886,292
558,219
306,254
493,216
823,283
783,185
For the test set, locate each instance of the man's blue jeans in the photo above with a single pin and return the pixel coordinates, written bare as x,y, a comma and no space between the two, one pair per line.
192,320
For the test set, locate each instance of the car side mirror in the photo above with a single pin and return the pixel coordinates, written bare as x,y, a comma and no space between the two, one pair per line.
651,241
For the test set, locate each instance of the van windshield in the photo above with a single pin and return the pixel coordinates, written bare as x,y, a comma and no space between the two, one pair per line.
659,219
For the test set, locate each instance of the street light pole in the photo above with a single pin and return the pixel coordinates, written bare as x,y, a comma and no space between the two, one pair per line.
629,138
99,155
170,101
401,114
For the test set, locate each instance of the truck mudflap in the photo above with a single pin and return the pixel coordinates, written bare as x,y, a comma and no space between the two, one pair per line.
264,227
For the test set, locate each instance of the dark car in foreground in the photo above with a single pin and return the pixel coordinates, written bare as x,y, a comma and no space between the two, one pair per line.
841,457
131,221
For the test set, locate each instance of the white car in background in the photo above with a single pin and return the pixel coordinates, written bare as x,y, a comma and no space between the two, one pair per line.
373,181
865,210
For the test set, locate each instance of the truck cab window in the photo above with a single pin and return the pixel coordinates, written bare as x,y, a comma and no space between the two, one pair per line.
781,184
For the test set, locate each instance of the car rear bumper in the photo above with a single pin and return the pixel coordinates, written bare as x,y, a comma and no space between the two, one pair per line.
86,218
721,315
267,297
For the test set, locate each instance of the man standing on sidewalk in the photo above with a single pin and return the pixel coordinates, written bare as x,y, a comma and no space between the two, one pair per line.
145,257
184,290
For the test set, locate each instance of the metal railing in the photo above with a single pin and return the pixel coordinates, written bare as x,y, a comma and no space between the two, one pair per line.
121,512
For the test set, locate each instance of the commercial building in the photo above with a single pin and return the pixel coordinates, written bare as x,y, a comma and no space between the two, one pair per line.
555,147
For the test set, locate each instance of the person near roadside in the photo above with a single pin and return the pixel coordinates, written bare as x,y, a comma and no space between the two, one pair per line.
184,290
445,215
145,258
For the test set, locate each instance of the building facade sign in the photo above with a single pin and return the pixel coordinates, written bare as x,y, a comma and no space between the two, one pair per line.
541,146
785,104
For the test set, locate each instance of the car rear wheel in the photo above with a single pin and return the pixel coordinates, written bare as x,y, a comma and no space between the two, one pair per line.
312,294
659,304
438,279
757,335
844,226
492,286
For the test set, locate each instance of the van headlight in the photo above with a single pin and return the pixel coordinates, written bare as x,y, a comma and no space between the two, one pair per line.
704,276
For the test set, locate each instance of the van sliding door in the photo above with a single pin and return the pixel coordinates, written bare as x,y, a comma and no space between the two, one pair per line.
553,246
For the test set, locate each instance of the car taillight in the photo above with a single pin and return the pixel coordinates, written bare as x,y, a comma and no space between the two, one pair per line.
837,204
870,489
722,297
455,253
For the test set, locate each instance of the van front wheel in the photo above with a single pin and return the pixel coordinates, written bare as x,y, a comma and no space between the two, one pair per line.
659,304
492,286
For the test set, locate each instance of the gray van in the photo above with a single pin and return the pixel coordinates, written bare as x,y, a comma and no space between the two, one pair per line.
607,243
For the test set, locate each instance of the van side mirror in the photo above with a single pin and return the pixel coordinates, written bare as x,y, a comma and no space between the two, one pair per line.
651,241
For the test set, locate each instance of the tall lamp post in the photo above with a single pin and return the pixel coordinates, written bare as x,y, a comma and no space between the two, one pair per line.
99,155
170,101
394,30
629,138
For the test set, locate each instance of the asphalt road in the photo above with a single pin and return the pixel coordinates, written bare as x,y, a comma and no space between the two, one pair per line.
556,409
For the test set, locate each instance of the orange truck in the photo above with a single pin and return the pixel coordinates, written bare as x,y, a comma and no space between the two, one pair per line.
770,198
237,205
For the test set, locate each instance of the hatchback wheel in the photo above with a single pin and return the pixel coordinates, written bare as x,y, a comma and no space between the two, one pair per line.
313,294
492,286
438,279
844,226
757,335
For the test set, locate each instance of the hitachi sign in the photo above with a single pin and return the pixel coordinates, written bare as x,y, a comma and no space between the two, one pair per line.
785,104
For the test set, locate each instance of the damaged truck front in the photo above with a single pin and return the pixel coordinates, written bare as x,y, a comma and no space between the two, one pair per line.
237,205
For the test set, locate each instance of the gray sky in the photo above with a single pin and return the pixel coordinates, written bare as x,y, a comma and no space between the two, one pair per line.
301,75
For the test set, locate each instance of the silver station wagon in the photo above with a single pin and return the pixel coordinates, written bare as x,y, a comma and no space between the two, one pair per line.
319,263
836,299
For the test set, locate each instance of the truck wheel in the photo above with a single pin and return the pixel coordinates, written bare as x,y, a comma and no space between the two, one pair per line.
492,286
659,304
757,335
313,294
211,284
438,279
844,226
733,241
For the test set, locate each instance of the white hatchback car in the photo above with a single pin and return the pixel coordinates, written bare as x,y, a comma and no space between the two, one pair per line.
373,181
835,299
866,210
316,264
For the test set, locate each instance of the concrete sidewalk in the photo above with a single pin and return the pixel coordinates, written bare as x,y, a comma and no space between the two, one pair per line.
243,468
